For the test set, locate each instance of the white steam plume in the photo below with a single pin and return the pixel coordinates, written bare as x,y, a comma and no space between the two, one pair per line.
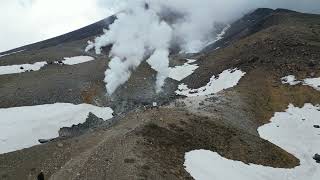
147,29
137,33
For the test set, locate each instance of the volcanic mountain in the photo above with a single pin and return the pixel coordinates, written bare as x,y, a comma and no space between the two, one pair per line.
219,100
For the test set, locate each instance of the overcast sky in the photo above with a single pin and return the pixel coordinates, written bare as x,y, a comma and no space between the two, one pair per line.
26,21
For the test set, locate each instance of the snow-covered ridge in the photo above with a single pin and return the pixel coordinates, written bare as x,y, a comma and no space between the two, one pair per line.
180,72
21,68
22,127
11,53
220,35
292,130
227,79
312,82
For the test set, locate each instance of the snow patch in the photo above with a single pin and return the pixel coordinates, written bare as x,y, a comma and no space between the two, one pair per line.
291,130
21,68
180,72
76,60
312,82
3,55
227,79
21,127
14,69
291,80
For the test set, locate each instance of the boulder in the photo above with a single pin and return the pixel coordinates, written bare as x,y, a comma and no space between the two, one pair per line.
40,176
317,158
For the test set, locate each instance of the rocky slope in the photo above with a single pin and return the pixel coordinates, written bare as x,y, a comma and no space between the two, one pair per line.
150,143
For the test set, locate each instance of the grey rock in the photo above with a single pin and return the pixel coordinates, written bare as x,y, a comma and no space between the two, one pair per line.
60,145
312,63
43,141
317,158
180,104
91,122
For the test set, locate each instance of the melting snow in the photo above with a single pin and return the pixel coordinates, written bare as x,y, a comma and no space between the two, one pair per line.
21,127
312,82
291,80
227,79
13,69
11,53
180,72
76,60
291,130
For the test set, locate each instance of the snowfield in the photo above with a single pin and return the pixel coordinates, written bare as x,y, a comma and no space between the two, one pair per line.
21,127
180,72
227,79
14,69
312,82
76,60
291,130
